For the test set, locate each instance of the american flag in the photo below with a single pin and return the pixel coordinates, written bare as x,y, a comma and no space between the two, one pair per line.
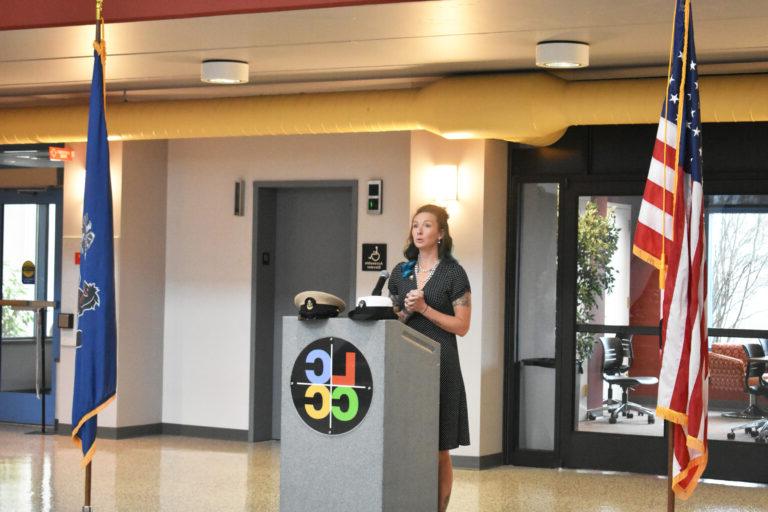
670,236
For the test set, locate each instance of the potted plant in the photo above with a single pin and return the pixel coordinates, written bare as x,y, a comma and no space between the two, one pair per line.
597,243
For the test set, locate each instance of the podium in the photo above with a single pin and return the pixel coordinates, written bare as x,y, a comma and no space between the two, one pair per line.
359,417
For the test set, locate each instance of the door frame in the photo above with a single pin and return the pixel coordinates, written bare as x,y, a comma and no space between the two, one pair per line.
261,353
20,401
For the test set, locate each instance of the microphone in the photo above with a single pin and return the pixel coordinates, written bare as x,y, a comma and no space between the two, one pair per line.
380,283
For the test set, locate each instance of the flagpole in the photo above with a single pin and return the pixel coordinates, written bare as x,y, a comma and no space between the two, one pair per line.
87,500
87,505
99,5
670,455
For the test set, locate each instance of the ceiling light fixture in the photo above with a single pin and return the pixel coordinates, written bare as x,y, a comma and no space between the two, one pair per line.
562,54
224,72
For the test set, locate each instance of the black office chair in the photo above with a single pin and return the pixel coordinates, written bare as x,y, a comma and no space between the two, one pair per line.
615,351
756,385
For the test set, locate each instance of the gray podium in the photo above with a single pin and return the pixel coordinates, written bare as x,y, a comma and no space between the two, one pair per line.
359,417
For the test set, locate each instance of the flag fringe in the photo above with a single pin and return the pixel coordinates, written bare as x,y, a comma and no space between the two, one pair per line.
695,443
673,416
88,456
90,414
697,466
647,257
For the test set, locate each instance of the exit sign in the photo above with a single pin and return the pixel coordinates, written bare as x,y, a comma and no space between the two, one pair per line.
60,154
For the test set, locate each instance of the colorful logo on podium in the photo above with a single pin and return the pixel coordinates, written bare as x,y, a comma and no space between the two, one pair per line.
331,386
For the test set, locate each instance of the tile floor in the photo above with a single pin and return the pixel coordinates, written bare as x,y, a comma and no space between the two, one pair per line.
170,473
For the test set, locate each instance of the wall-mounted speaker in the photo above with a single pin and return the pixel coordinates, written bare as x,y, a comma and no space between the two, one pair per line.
240,198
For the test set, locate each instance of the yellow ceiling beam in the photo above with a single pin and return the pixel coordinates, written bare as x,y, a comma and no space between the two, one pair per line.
531,108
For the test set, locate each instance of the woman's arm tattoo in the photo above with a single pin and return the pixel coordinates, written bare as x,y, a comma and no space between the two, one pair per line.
464,300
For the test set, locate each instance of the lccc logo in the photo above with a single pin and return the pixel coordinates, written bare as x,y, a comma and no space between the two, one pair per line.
331,386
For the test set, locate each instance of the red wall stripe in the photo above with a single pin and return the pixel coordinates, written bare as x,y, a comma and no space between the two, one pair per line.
20,14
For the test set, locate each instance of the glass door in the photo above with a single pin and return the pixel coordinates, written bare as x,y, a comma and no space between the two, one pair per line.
533,374
30,227
610,332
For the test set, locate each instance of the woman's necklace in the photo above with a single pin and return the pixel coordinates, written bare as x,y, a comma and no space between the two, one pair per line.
429,272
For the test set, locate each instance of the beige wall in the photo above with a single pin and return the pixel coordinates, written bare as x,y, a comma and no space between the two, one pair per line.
208,251
184,281
141,295
494,281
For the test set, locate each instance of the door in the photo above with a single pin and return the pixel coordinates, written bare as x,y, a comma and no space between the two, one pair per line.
608,292
304,239
532,438
599,222
30,228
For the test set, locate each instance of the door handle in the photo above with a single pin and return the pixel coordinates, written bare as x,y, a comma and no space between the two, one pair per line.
542,362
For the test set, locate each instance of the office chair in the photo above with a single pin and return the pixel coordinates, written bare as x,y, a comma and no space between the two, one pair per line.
615,350
755,385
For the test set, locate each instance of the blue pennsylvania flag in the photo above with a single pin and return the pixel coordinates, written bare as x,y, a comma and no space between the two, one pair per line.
95,360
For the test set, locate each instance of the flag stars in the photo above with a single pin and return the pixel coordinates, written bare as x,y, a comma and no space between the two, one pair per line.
693,65
673,98
696,132
680,55
697,85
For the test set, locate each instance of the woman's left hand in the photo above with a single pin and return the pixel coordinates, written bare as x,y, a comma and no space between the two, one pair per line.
414,301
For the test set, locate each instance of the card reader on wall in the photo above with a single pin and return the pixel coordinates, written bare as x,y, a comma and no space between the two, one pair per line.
374,197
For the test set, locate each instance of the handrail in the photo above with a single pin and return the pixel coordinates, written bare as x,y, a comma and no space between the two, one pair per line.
30,305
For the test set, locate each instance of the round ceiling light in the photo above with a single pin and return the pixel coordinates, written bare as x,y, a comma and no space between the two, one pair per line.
562,54
224,72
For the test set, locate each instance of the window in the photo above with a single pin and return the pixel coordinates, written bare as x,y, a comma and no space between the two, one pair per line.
19,245
737,248
617,317
617,309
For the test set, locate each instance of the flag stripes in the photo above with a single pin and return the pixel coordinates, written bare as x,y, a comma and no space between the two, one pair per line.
670,236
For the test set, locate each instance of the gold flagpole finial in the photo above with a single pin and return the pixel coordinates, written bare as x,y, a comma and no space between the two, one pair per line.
99,20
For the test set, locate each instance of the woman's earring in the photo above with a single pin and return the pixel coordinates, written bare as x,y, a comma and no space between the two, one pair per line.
439,241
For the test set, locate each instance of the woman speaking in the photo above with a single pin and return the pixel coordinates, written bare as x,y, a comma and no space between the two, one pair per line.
431,294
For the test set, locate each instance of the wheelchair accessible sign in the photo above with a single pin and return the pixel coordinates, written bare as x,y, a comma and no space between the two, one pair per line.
374,257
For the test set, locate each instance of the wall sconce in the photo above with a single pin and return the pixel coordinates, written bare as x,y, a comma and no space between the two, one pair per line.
444,184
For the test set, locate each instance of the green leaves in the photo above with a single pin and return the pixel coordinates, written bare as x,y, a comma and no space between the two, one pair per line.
15,324
598,239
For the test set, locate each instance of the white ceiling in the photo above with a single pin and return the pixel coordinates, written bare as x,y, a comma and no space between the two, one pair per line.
374,46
